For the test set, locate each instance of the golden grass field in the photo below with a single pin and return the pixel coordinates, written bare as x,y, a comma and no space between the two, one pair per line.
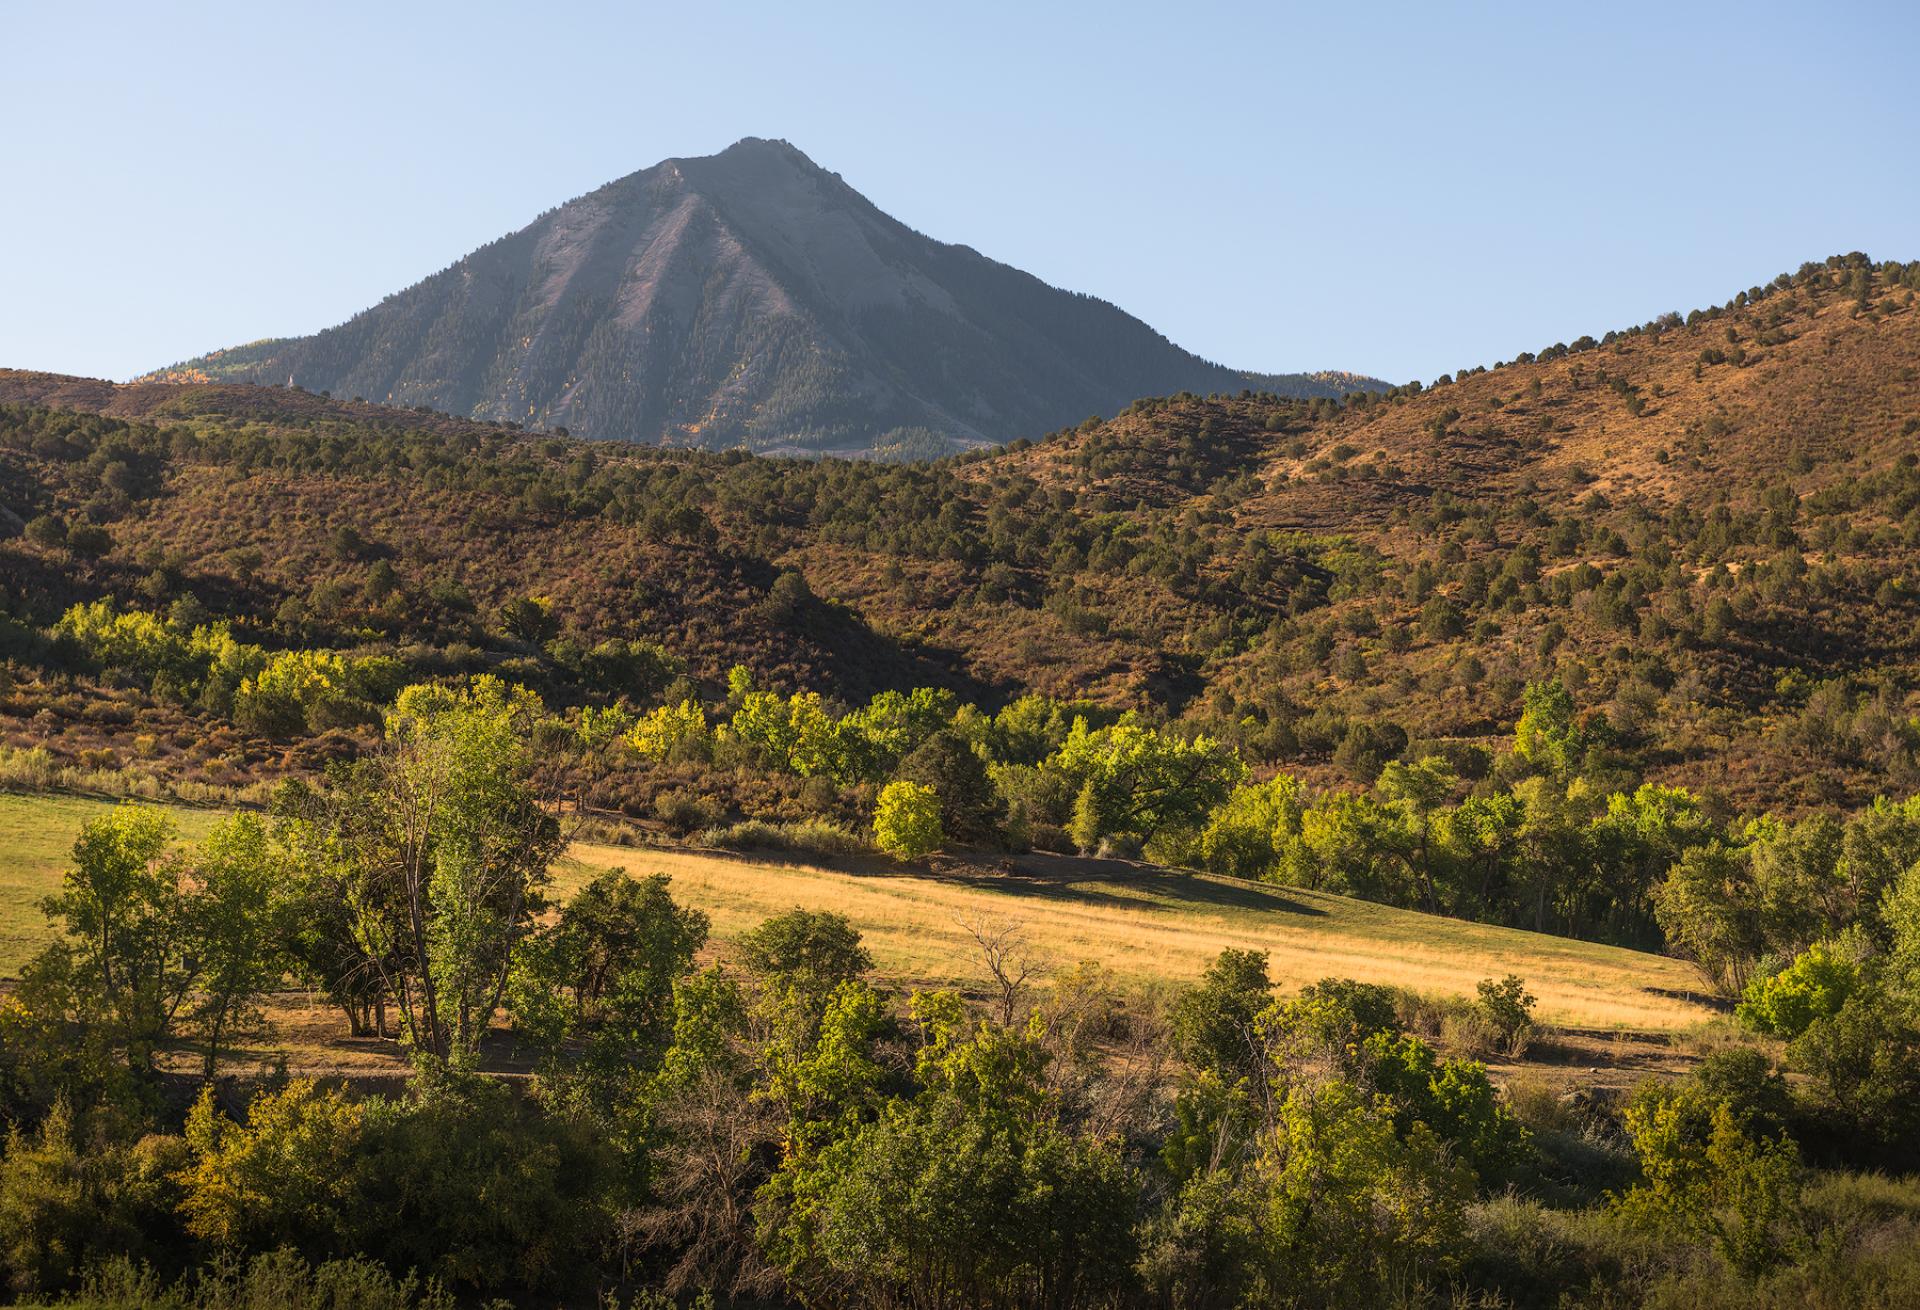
1147,924
1150,924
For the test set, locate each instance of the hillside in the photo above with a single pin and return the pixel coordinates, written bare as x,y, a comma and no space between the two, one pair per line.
1706,530
750,298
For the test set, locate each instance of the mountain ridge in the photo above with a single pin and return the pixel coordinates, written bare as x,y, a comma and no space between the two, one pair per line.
749,298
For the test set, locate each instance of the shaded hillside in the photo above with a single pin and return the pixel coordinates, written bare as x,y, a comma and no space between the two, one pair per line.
750,298
1709,532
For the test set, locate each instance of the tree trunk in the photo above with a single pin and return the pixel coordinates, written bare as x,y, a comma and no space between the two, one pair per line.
213,1041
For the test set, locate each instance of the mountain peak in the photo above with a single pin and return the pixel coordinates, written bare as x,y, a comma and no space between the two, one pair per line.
769,146
748,297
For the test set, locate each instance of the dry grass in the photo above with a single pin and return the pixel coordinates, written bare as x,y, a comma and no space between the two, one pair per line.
1149,925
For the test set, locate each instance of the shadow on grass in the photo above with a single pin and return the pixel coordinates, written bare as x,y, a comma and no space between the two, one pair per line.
1086,880
1069,879
1705,1000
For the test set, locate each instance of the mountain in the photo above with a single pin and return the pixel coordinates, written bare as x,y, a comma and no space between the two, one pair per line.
749,298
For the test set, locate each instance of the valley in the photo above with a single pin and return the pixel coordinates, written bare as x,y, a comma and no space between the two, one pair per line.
1495,802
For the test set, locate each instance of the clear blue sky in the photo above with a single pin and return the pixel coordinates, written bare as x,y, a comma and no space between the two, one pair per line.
1400,190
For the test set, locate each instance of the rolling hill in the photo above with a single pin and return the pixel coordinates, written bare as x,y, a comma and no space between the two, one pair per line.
750,298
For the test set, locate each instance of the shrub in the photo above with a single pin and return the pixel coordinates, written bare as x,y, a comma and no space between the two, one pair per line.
89,540
683,812
278,1280
286,1176
747,835
1703,1176
69,1197
468,1183
1508,1006
47,531
1745,1080
808,837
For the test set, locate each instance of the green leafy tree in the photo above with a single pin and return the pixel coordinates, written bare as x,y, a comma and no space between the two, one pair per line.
1638,839
827,1076
906,821
1355,844
668,730
638,670
1508,1006
971,810
529,618
469,1183
235,928
1139,781
1814,986
896,724
1708,909
807,951
1246,836
1900,918
128,952
796,733
594,992
1548,736
1336,1208
440,846
47,531
1214,1028
1864,1061
1452,1098
971,1192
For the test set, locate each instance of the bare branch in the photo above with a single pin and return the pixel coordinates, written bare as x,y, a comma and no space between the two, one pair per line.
1005,951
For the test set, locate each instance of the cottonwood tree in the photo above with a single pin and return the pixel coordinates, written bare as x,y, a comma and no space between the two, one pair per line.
156,935
321,917
127,955
971,1191
234,927
441,848
1140,781
716,1141
594,992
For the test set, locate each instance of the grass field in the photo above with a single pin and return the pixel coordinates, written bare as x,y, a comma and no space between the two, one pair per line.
1151,924
1145,923
36,843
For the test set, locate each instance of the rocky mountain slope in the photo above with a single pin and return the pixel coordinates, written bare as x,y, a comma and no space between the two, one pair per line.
750,298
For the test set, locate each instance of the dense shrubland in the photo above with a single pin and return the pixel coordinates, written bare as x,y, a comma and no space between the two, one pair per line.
1309,581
